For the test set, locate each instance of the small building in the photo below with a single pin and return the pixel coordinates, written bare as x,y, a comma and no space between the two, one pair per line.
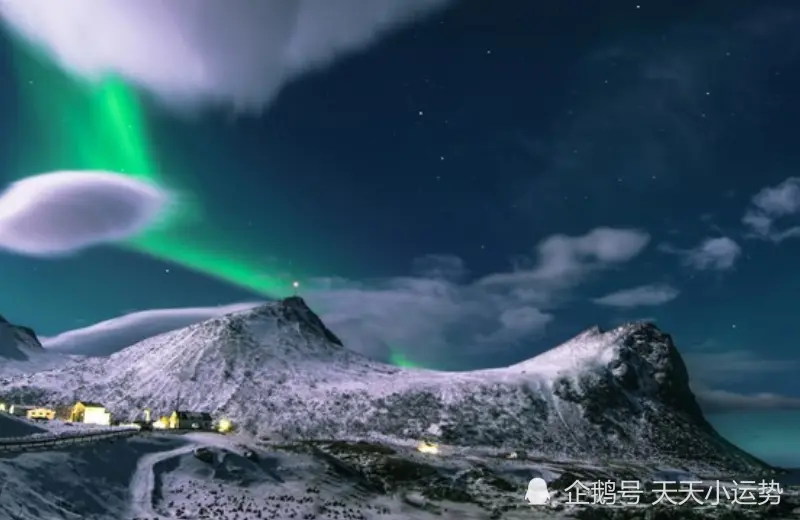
41,414
224,425
20,410
90,413
3,407
186,420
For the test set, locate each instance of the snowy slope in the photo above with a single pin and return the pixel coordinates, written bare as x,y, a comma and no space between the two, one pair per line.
159,476
277,369
11,426
21,352
17,343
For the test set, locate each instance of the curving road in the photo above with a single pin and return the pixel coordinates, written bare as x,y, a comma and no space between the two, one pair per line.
144,480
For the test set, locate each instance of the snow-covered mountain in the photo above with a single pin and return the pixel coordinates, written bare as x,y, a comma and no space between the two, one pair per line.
276,369
22,353
16,342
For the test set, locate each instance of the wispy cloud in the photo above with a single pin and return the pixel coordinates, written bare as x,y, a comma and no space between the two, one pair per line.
712,254
725,366
61,212
237,53
107,337
770,205
642,296
433,316
564,260
713,370
441,322
724,401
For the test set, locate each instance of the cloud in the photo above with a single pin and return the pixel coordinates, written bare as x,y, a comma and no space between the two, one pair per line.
715,366
712,369
444,267
432,317
713,254
107,337
642,296
238,53
771,204
58,213
438,321
566,259
724,401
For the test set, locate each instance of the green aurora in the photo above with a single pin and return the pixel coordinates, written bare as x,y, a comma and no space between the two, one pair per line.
101,126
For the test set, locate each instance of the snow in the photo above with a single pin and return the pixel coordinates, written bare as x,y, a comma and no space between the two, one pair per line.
80,482
12,427
158,476
590,348
143,483
17,343
276,370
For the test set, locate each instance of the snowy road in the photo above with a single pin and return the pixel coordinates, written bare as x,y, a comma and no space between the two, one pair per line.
144,479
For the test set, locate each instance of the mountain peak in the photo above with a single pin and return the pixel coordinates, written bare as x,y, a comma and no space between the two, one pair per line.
295,310
17,342
276,369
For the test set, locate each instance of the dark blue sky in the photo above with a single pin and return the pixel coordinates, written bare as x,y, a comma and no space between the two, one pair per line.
479,133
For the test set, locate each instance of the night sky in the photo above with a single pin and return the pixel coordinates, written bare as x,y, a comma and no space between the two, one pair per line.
435,193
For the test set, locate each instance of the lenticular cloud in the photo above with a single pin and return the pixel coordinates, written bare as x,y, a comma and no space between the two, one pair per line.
233,52
57,213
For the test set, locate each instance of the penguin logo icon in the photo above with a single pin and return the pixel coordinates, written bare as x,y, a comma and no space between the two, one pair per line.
537,493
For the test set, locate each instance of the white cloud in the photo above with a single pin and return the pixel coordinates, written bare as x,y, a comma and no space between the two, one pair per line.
716,366
642,296
722,401
112,335
772,204
58,213
431,317
443,267
565,259
713,254
234,52
712,369
438,321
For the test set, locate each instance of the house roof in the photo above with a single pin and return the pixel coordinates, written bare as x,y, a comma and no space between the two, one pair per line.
91,404
185,414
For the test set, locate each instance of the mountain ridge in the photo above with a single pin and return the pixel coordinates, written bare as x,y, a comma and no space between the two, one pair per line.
277,369
17,342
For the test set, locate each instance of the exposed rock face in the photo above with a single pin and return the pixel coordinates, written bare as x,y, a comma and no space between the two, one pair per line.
276,369
17,342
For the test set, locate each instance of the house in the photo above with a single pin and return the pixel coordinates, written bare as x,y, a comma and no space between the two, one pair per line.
41,414
90,413
185,420
19,410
